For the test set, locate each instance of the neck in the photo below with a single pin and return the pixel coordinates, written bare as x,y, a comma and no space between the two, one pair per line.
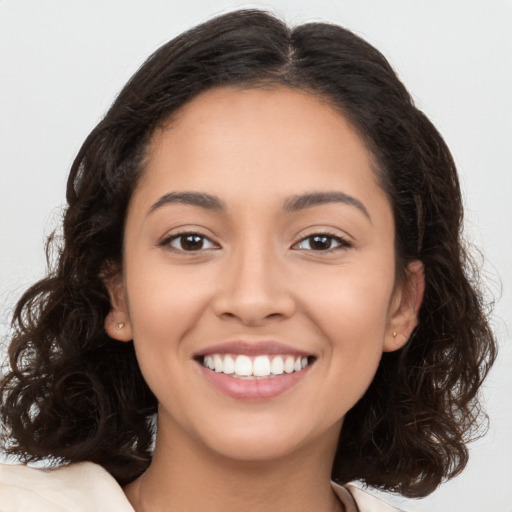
186,477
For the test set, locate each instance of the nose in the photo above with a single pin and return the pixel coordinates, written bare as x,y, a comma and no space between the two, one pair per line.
254,289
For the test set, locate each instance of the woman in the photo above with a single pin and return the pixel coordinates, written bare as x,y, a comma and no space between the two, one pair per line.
262,245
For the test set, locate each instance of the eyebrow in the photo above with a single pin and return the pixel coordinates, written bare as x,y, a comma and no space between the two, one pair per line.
301,202
206,201
293,204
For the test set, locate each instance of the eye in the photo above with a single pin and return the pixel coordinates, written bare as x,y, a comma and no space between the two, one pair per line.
189,242
322,242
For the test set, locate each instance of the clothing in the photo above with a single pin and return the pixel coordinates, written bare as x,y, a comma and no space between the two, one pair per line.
87,487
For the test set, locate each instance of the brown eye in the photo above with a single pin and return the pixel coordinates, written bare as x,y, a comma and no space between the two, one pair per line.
322,242
190,242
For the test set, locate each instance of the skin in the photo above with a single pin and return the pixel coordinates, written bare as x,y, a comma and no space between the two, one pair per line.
257,277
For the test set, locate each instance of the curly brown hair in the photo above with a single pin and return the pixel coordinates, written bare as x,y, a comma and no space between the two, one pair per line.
72,393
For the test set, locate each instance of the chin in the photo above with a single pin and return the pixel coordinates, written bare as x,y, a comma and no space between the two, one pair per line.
262,441
255,449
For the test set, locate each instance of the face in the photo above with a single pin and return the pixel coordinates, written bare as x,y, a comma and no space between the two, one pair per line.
258,278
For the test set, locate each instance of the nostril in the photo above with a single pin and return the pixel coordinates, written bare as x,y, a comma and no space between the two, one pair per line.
253,306
228,315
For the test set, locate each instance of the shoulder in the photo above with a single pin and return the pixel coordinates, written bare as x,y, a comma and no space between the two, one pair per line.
87,487
357,500
81,487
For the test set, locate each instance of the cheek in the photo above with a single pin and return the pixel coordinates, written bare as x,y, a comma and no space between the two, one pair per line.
164,303
163,308
351,312
353,300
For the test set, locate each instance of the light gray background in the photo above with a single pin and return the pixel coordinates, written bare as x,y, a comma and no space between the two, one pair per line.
63,61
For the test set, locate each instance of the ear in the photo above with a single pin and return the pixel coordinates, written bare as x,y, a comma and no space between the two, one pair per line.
117,322
405,306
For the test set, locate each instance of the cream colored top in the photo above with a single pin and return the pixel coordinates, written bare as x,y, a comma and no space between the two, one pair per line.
87,487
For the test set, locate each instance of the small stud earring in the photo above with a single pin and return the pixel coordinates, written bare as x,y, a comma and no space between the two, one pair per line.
120,326
394,334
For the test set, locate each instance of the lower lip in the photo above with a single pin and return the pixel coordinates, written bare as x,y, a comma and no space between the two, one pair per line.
263,389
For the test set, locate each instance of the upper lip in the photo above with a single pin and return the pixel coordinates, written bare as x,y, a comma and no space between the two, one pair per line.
252,348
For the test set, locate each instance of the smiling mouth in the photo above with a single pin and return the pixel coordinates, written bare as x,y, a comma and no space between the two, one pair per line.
255,368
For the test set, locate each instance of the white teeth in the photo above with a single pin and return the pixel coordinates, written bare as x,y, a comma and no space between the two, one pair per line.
208,362
277,366
229,365
217,362
261,366
258,367
289,363
243,366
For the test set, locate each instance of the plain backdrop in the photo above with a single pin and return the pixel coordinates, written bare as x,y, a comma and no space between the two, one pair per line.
63,61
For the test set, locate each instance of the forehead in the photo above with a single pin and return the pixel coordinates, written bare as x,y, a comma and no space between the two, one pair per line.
263,142
261,113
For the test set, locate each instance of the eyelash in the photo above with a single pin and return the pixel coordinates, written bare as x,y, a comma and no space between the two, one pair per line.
167,242
342,243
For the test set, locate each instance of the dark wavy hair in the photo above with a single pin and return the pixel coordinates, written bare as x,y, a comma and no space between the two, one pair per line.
72,393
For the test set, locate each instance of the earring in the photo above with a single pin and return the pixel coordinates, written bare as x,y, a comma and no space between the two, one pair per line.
394,334
120,326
